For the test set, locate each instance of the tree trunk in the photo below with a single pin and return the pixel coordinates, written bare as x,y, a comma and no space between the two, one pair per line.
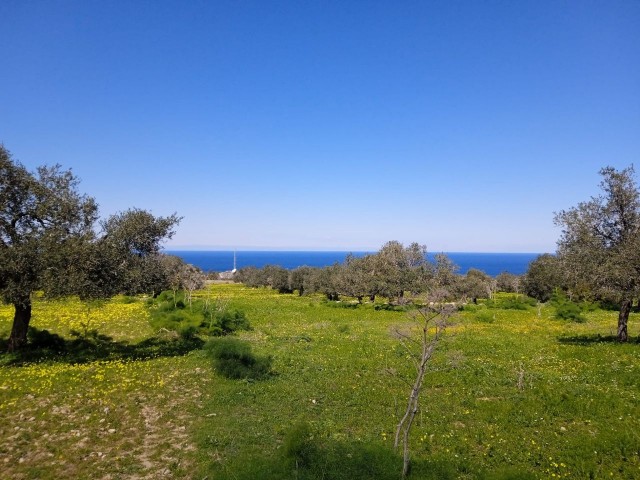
21,319
623,317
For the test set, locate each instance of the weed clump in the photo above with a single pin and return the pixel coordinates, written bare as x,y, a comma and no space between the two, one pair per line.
485,316
233,359
299,446
198,317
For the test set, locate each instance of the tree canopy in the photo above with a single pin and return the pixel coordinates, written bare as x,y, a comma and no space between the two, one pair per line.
48,242
599,248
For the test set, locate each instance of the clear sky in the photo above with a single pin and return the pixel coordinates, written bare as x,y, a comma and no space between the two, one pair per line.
462,125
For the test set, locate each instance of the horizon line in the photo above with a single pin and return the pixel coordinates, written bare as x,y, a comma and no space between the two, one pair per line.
204,248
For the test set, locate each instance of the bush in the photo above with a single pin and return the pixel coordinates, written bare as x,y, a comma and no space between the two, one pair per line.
566,309
233,358
225,323
126,299
485,316
512,302
169,312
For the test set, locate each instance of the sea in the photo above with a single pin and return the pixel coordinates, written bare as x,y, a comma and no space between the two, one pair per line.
220,261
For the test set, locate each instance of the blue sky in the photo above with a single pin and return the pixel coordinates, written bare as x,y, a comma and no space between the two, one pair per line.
462,125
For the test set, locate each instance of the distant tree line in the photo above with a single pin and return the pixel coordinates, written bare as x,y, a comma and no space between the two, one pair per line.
395,272
597,261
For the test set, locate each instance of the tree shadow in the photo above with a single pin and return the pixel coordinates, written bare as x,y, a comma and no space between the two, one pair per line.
93,346
320,460
324,459
594,339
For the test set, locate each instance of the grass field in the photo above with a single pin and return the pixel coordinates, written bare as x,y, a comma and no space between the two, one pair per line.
511,394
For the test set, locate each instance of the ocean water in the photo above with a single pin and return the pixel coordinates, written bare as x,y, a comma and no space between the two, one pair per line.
220,261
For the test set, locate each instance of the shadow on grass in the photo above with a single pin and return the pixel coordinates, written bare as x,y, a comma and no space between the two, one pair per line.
46,346
333,460
594,339
321,460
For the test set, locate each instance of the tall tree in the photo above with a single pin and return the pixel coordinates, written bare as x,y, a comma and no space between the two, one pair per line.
130,242
445,278
599,247
42,217
48,241
355,277
399,269
508,282
475,284
542,277
298,278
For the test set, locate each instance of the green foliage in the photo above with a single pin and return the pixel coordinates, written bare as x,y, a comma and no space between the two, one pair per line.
233,358
543,276
272,276
512,302
49,242
172,312
565,308
227,322
600,241
485,316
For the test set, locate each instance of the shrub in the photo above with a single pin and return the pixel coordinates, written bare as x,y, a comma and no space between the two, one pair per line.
169,312
566,309
485,317
225,323
126,299
233,359
512,302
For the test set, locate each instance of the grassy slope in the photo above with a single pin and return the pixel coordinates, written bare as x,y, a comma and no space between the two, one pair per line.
505,394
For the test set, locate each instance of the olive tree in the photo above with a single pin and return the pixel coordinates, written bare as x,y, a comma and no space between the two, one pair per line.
48,242
599,247
325,281
508,282
191,279
400,269
298,278
475,284
355,277
445,277
542,277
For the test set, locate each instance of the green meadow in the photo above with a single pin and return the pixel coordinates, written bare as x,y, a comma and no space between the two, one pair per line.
510,394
